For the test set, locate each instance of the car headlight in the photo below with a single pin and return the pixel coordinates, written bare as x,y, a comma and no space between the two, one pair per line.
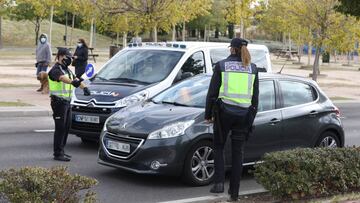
133,99
172,130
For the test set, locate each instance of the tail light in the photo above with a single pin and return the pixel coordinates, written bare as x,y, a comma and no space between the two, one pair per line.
337,112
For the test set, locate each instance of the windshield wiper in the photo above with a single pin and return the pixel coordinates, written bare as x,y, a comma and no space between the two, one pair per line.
174,103
129,80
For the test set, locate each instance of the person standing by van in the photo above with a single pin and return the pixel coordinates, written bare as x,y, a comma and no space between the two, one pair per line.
43,57
80,58
232,103
61,83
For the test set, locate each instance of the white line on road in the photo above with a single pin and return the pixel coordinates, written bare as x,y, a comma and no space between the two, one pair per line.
213,197
44,131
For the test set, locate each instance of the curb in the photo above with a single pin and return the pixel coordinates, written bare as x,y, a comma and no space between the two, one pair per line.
215,198
7,112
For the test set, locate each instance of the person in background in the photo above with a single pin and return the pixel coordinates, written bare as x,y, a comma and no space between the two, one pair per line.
232,104
61,83
80,58
43,57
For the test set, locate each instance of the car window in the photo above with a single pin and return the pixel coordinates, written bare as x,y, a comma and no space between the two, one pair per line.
188,92
194,65
266,95
296,93
258,56
142,66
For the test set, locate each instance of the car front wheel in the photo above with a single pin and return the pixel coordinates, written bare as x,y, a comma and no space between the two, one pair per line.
328,139
199,164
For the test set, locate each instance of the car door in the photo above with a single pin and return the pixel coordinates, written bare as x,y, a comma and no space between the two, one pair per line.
267,133
300,113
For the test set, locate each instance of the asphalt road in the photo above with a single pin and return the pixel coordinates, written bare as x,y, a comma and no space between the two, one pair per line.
21,146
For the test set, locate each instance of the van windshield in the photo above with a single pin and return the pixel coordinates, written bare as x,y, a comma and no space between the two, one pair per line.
139,66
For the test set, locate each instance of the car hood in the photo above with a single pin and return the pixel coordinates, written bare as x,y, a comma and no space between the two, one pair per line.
140,120
109,92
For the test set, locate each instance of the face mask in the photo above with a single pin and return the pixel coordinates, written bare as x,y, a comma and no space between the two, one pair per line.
43,40
66,61
79,44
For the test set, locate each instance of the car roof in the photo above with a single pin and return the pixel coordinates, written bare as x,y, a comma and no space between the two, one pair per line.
188,45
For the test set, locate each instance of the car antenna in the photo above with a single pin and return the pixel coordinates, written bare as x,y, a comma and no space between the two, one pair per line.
282,68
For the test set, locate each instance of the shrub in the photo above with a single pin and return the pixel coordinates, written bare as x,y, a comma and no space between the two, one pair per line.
304,173
36,184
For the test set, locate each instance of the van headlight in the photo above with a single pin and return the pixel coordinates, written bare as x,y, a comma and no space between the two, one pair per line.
133,99
172,130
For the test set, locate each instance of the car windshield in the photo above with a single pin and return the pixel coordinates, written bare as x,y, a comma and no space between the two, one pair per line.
139,66
258,56
190,92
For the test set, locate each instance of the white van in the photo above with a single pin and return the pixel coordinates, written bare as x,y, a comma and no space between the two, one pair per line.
141,71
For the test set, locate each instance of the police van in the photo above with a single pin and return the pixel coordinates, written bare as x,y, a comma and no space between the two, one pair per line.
141,71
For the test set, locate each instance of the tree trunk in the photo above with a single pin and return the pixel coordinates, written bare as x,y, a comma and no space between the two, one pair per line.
205,33
217,32
309,53
316,69
184,31
173,32
66,26
348,58
1,41
37,30
231,30
155,33
91,32
124,39
72,28
335,56
51,23
242,28
117,38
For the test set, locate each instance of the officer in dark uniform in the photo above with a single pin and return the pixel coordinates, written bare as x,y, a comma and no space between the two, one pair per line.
232,103
61,83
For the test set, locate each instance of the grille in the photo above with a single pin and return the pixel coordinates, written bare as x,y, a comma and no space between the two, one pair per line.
134,143
90,127
97,110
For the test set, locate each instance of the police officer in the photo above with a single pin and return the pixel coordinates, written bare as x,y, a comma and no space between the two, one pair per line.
61,83
231,104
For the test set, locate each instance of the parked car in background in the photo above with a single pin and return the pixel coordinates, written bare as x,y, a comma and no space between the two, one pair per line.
168,135
141,71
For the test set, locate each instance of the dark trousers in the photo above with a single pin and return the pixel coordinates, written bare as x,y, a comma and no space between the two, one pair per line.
61,115
238,128
80,70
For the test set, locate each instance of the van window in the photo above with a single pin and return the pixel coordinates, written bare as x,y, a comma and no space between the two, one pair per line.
194,65
266,95
139,66
296,93
258,56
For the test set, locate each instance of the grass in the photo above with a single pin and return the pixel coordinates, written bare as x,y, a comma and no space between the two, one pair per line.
25,37
12,104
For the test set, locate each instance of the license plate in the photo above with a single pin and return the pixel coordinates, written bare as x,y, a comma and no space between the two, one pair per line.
118,146
87,119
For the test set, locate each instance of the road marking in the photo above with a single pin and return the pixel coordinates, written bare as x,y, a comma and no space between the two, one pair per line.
44,131
214,197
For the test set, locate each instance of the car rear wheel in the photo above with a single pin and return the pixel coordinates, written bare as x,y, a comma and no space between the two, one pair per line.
328,139
199,164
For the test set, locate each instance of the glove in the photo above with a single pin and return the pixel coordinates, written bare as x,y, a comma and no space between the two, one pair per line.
86,91
76,83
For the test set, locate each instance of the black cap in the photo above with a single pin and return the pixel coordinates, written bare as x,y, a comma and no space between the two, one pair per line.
63,52
238,42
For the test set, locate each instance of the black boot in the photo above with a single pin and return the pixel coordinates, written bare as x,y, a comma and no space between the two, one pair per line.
217,188
233,196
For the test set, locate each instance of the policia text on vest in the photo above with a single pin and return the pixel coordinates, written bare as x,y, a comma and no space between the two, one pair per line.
232,101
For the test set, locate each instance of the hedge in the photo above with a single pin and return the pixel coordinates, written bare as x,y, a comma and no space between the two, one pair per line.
36,184
308,173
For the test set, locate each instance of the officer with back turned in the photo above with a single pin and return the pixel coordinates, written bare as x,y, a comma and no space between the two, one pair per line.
231,104
61,83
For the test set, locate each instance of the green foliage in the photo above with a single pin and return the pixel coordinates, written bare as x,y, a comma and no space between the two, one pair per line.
304,173
35,184
351,7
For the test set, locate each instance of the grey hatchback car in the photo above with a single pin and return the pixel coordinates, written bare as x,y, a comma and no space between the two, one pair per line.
167,134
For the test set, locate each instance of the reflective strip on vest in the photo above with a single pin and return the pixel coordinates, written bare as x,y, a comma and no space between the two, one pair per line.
60,89
237,84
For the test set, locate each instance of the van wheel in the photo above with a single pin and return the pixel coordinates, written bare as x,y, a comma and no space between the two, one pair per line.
328,139
199,164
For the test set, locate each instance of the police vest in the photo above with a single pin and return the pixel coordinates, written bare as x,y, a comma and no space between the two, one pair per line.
61,89
237,84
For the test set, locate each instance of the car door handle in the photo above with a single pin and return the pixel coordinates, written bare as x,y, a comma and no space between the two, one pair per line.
274,121
313,113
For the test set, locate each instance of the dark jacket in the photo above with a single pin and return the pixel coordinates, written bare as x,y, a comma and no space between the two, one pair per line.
215,85
82,54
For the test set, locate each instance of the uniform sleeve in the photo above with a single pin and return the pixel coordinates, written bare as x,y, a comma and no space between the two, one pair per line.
255,97
55,74
213,92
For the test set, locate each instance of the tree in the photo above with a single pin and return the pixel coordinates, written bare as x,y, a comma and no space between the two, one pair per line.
34,11
350,7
